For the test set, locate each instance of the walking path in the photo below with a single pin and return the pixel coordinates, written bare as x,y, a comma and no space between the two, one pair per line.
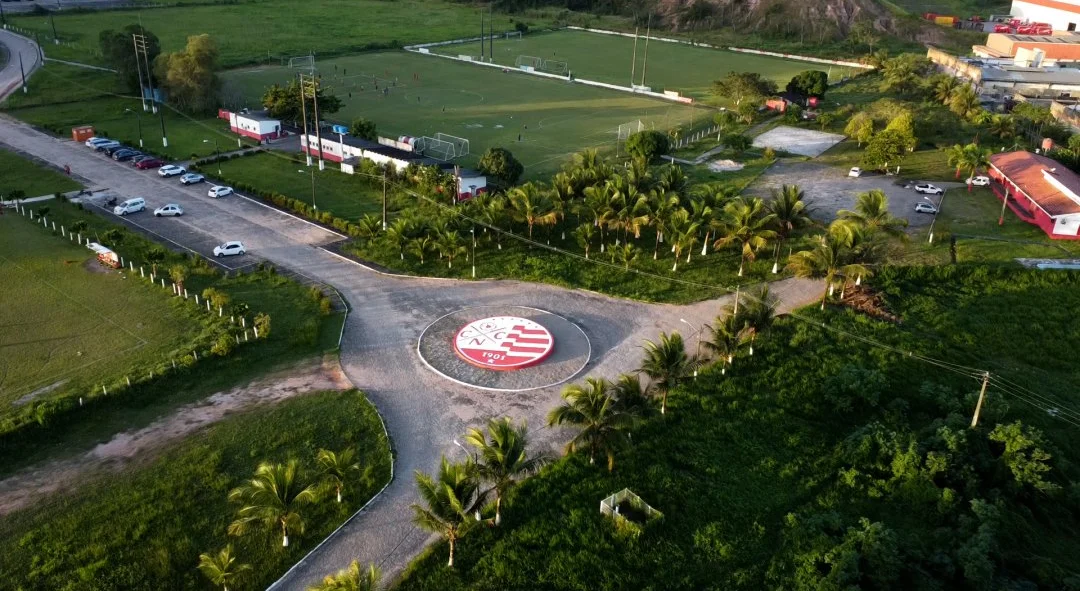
423,412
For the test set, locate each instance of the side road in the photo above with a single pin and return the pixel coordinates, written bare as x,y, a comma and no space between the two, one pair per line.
11,75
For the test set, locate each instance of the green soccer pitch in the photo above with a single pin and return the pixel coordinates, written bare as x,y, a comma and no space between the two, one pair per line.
608,58
485,105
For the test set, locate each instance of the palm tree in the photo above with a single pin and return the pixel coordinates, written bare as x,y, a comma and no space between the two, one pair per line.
728,334
1003,126
834,258
398,235
533,206
450,246
273,498
975,159
757,314
667,365
420,245
661,206
672,179
502,456
626,254
630,396
790,212
963,101
222,568
155,256
683,232
351,579
451,498
597,413
955,156
584,234
746,222
178,274
337,467
943,86
369,226
702,214
492,214
872,214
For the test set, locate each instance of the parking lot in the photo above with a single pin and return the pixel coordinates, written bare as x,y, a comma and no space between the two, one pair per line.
829,189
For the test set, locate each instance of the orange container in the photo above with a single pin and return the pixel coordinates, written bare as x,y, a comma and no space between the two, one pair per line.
82,133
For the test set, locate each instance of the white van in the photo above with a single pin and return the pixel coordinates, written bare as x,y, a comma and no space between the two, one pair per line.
130,206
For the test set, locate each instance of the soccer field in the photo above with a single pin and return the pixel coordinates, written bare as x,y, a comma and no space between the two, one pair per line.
608,58
552,118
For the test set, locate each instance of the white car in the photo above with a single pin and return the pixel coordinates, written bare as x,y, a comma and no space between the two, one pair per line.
928,189
191,178
925,208
979,181
855,172
94,141
219,191
130,206
169,209
230,248
171,170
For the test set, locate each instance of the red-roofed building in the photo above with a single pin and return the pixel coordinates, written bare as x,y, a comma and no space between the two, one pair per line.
1040,190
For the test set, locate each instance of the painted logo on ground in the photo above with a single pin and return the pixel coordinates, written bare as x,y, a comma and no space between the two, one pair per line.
503,343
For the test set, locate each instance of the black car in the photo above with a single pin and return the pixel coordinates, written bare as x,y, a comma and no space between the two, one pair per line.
121,155
114,149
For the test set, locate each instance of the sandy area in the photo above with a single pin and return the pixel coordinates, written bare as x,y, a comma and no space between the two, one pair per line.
123,449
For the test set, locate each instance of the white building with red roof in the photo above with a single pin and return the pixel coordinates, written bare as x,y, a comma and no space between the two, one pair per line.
1040,190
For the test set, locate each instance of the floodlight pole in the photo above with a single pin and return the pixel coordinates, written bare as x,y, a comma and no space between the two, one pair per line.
645,62
23,73
318,128
491,35
633,60
303,115
384,199
138,122
482,30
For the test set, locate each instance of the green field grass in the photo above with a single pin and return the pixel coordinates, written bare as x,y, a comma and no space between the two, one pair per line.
68,323
489,108
144,528
608,58
19,174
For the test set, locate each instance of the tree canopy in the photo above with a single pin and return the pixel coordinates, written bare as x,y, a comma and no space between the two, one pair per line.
740,86
363,129
647,145
500,166
118,51
189,76
809,83
283,102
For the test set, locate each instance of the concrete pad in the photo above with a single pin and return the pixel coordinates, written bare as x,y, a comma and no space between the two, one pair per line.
796,140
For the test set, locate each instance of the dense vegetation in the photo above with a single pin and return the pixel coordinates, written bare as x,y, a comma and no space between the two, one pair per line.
826,462
145,528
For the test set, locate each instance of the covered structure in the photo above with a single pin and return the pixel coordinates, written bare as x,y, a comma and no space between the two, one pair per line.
1060,14
256,125
1040,190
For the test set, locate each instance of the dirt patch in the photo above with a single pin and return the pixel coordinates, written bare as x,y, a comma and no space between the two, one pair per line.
40,391
725,166
93,266
124,449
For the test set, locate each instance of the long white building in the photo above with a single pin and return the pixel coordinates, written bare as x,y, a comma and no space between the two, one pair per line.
1062,15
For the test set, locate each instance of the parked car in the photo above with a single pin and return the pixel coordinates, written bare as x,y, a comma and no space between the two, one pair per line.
169,210
114,149
96,141
102,146
925,208
148,164
229,249
979,181
855,172
928,189
191,178
122,155
137,159
219,191
171,170
130,206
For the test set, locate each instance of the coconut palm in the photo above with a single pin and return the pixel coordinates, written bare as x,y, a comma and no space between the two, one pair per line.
597,413
702,214
662,204
790,213
585,234
672,179
351,579
683,232
975,159
835,259
532,205
630,396
222,568
274,497
369,226
746,222
337,467
155,256
492,215
178,274
667,365
955,157
872,214
963,101
726,336
450,499
755,313
502,456
1003,126
449,246
420,245
398,234
625,253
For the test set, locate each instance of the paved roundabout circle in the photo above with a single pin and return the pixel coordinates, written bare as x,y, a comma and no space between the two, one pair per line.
504,348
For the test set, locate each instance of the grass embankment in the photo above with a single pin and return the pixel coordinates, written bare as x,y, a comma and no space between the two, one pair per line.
299,329
763,474
33,180
145,528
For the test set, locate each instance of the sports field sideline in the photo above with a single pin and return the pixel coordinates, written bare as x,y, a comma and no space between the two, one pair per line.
541,121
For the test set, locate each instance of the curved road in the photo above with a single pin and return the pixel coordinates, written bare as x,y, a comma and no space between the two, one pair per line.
10,76
422,411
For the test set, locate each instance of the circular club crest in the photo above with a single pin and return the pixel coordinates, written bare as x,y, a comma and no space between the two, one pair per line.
503,343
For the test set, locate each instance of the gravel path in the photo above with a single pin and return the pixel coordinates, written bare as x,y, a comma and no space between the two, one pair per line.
423,412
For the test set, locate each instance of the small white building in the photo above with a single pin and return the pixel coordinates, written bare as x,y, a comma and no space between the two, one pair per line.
255,125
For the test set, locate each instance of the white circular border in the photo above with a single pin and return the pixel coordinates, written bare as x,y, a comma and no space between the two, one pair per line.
526,365
588,356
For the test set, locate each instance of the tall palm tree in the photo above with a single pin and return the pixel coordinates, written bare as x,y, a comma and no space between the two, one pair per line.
585,234
955,157
532,205
667,365
502,456
222,568
975,159
835,258
683,233
727,335
872,214
943,87
337,467
492,215
1003,126
672,179
397,234
702,214
596,412
419,246
630,396
963,101
746,222
662,203
451,498
351,579
756,314
274,497
790,212
449,245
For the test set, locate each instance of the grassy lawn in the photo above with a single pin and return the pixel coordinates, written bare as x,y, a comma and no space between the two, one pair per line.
489,108
20,174
607,58
145,528
298,331
764,473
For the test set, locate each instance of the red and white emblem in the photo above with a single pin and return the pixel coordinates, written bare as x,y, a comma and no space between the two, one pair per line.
503,343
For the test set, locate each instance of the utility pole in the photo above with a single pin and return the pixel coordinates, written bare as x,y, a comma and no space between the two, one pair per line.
384,200
140,45
318,127
645,63
52,23
161,118
982,395
491,35
633,60
138,68
23,73
482,31
303,115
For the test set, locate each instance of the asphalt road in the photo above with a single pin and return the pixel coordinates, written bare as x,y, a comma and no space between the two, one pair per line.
11,75
423,412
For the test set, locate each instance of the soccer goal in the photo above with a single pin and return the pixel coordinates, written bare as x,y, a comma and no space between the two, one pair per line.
513,35
461,145
442,147
528,61
554,67
303,62
627,129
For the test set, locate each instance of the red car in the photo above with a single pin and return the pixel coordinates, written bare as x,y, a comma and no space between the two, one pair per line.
149,163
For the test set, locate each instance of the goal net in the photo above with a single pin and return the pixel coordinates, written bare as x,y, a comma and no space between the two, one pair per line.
553,67
461,145
528,61
304,62
439,149
628,129
513,34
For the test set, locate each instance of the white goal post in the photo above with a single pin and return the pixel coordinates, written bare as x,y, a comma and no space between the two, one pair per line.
554,67
443,147
528,61
627,129
513,35
306,62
